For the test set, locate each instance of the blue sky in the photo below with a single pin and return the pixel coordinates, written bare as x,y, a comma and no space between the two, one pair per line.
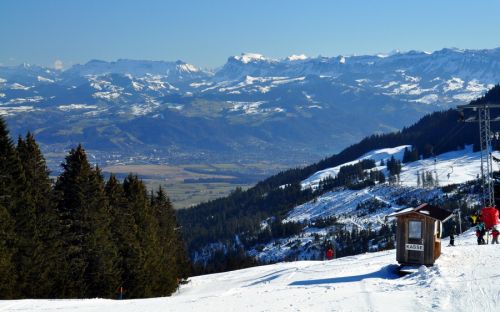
206,32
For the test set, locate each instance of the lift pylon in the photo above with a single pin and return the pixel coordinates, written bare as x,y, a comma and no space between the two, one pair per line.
485,134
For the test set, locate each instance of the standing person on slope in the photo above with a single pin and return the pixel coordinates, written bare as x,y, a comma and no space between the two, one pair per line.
494,234
480,231
453,232
329,254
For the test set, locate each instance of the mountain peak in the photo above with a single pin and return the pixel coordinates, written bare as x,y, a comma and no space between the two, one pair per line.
250,57
295,57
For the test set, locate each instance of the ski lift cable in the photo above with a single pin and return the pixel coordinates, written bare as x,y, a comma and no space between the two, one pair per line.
451,134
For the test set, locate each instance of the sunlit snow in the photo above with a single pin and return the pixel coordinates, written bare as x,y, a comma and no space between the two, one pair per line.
462,279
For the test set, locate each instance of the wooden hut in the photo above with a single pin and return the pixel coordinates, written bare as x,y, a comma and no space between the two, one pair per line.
418,234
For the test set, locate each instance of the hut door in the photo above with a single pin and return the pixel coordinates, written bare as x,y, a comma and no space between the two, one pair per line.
415,238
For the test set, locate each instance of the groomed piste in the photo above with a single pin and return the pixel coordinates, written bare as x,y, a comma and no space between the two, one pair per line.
465,278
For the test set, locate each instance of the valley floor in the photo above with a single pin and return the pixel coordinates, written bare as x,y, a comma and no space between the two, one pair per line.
465,278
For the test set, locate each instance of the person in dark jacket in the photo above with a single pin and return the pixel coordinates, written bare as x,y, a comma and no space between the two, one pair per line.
453,232
480,231
494,234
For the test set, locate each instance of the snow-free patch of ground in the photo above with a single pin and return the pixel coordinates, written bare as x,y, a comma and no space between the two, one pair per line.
464,278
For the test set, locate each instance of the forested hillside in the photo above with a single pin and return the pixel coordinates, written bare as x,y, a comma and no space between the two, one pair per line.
81,236
238,218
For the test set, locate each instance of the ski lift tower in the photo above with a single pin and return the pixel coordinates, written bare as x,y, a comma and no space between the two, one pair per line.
484,120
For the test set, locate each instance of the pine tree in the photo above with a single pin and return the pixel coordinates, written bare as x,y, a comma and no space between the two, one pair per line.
381,177
175,264
104,255
406,155
134,277
124,233
39,252
90,256
7,269
13,202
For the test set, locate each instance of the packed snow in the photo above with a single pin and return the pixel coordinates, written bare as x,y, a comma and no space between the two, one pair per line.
462,279
377,156
343,204
451,168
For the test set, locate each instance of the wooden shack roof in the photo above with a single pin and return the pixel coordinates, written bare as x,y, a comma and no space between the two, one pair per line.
425,210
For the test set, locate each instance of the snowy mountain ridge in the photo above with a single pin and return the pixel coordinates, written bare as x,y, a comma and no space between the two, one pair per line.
308,107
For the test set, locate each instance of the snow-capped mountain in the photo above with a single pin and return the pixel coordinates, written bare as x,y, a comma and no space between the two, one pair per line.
171,71
261,107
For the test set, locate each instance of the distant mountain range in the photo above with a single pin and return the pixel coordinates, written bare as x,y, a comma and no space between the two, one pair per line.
293,110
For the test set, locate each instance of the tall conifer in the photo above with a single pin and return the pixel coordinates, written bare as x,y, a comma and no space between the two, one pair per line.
12,202
91,256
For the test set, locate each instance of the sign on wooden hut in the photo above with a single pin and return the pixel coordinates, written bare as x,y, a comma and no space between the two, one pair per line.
418,234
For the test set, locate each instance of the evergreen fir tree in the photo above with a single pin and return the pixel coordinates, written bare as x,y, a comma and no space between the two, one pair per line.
124,233
37,241
7,269
104,265
381,177
13,200
174,254
82,211
138,205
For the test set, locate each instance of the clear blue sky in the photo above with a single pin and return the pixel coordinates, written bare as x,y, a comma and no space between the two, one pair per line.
206,32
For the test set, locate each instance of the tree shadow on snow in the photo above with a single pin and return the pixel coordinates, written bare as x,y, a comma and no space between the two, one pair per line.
387,272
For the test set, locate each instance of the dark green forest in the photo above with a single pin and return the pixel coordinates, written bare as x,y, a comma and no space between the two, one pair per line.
81,236
242,212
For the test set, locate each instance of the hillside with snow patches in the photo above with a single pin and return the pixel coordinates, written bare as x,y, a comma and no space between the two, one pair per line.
464,278
456,167
261,107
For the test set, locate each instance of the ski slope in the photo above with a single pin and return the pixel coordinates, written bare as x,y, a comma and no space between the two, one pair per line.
451,168
463,279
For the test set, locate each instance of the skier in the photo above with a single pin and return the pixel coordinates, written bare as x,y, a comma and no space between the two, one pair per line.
453,232
329,254
120,290
480,231
494,234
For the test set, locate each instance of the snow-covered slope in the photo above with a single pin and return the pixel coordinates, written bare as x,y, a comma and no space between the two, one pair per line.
463,279
452,168
377,156
455,167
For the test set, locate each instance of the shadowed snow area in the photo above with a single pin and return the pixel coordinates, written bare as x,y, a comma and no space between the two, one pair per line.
463,279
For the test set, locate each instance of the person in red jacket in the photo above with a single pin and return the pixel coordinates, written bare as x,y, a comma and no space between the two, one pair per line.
329,254
494,234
